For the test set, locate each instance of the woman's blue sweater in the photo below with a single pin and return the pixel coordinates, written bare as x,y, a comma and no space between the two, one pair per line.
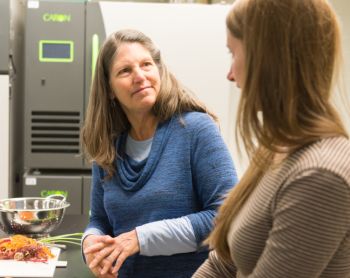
187,173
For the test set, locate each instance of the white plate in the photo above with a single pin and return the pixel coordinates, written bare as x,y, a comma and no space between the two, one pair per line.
12,268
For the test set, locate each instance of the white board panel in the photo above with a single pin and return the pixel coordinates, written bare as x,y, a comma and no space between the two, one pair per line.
4,138
342,9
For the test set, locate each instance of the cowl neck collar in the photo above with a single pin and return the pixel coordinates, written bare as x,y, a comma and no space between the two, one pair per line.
133,175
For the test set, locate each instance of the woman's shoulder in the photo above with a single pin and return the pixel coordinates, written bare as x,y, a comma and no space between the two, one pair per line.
335,155
335,144
329,151
329,154
196,119
97,170
326,161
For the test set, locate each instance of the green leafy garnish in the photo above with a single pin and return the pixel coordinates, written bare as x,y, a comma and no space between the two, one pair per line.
74,239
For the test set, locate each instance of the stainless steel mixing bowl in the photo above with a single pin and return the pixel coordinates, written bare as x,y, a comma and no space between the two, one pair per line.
36,217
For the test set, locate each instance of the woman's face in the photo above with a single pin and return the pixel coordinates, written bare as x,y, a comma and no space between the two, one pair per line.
236,73
134,78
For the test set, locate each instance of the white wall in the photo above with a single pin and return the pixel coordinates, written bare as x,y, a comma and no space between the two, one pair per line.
342,8
4,137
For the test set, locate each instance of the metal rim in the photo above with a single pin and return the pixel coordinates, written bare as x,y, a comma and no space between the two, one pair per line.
62,204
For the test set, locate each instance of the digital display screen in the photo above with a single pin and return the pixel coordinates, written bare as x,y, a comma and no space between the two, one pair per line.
56,50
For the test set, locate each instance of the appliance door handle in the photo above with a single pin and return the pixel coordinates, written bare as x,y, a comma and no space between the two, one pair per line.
94,54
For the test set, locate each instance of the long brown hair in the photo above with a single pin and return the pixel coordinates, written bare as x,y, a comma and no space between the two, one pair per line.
105,119
292,52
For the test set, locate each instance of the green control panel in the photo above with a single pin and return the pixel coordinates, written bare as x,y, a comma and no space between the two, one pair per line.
56,51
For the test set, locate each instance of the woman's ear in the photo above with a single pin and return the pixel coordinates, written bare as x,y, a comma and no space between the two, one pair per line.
113,102
111,96
111,92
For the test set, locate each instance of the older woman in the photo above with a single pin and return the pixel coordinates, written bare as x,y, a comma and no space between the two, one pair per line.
160,166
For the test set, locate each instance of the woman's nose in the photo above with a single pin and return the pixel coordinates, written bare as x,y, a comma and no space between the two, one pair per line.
139,75
230,75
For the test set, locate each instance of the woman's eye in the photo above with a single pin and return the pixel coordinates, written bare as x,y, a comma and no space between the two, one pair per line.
147,64
125,70
229,52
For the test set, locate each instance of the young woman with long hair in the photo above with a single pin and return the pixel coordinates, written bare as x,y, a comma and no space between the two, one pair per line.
289,216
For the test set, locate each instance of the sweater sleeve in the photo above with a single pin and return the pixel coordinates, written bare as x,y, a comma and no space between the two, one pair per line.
213,175
98,219
311,217
166,237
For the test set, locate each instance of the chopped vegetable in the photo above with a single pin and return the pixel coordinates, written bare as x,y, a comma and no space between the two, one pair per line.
22,248
26,215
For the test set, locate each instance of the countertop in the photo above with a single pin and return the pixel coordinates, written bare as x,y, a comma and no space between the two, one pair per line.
75,267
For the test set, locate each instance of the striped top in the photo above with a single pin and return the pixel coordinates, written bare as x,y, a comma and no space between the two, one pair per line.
296,223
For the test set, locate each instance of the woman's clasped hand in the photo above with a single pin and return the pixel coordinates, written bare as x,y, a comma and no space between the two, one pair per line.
105,254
